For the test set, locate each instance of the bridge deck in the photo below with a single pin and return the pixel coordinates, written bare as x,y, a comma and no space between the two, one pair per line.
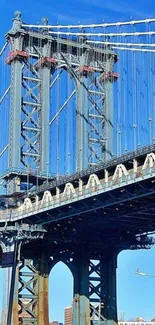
107,212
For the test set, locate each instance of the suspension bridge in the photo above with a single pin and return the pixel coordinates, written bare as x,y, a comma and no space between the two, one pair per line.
77,161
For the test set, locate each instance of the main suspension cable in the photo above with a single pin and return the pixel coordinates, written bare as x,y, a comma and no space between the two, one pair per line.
132,22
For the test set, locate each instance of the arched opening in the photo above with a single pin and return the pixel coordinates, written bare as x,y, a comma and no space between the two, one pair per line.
60,291
133,291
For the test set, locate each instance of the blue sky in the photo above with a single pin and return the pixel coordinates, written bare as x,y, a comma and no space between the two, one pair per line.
74,11
135,293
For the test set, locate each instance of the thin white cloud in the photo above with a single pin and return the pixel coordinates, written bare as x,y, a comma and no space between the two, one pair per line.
66,18
119,7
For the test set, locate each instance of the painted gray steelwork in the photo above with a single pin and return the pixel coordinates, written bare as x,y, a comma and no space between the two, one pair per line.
34,58
82,110
15,104
87,233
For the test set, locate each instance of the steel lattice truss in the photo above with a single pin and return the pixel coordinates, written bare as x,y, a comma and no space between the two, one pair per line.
30,292
44,60
28,300
30,289
38,62
31,107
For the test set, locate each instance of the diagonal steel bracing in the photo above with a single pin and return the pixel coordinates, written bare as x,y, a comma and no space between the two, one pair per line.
34,58
30,129
31,292
96,120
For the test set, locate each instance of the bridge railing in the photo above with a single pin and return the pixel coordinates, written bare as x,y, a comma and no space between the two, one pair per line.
86,192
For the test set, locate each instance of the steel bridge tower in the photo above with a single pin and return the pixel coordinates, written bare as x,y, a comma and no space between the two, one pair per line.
35,56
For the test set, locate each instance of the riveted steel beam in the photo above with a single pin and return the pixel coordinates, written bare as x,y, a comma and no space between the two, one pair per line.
30,305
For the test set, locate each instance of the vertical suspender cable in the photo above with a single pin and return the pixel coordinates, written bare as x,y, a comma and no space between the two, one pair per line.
68,117
57,104
150,92
119,102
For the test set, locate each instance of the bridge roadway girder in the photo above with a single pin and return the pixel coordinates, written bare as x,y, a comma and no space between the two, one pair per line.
125,208
123,200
